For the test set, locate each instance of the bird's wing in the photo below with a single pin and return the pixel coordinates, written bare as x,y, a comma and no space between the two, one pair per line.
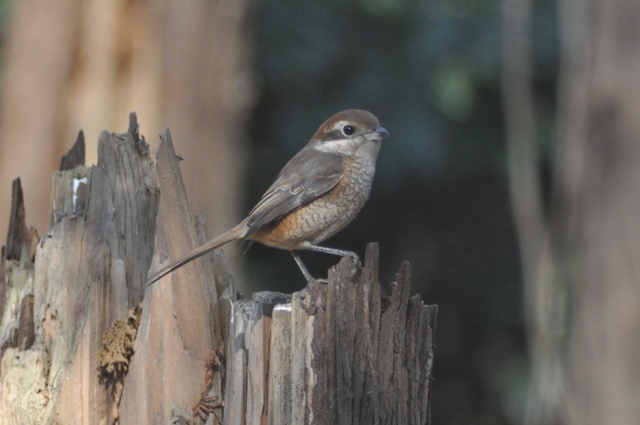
307,176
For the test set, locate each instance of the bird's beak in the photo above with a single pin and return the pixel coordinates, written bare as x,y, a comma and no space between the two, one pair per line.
378,134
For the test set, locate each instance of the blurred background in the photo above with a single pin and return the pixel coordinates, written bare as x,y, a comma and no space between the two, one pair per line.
485,185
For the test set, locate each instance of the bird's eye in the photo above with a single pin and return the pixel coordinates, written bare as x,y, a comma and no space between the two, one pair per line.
348,130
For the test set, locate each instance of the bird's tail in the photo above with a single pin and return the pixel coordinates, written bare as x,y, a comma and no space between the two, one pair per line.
237,232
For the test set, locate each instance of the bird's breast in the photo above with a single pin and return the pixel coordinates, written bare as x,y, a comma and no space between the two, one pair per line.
325,216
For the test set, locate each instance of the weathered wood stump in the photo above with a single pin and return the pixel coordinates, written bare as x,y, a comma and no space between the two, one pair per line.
83,341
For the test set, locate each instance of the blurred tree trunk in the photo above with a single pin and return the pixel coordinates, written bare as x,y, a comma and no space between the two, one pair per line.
589,249
542,295
86,64
597,194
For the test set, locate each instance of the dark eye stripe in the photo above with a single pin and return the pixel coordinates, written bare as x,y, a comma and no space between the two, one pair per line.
333,135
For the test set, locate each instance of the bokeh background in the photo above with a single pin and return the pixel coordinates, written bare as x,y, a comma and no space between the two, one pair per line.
243,85
430,71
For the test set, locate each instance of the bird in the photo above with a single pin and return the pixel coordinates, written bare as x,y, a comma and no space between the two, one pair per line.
317,193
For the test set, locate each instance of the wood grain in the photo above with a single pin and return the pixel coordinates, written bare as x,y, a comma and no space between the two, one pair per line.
338,356
336,353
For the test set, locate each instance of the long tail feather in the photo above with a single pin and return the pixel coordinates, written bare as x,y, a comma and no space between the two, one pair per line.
237,232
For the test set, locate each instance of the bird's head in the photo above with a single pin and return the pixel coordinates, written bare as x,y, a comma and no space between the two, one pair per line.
353,132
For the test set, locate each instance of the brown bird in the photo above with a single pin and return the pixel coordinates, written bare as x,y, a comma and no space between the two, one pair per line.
316,194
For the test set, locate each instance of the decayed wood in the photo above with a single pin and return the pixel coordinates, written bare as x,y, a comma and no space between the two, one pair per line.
114,356
75,157
178,327
19,236
280,389
21,242
103,238
339,357
248,359
17,322
336,353
26,328
89,271
23,387
17,226
17,329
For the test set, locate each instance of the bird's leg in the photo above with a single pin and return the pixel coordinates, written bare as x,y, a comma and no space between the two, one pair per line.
332,251
303,268
339,252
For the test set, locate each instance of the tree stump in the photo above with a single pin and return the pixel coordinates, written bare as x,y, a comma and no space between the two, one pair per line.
85,342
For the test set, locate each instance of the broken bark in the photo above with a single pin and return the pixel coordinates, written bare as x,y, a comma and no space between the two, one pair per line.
339,356
89,271
77,349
